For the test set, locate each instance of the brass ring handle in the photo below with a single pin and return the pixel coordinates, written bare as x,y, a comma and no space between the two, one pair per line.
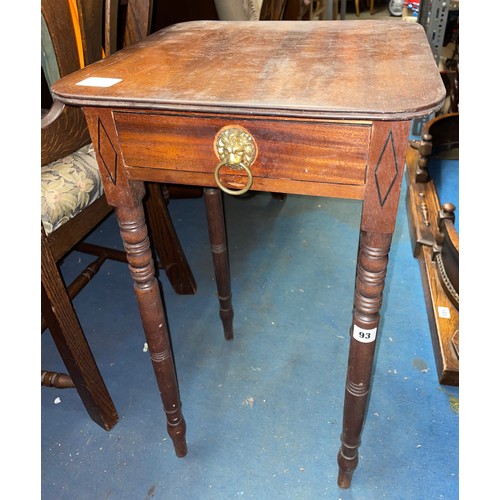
239,166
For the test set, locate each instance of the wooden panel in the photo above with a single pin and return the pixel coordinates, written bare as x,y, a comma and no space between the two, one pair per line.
423,206
326,152
90,13
62,36
443,327
333,69
138,21
259,183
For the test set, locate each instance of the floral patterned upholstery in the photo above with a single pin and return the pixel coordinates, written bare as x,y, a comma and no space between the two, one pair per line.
68,186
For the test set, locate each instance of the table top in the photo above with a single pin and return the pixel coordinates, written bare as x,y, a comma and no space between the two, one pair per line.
365,70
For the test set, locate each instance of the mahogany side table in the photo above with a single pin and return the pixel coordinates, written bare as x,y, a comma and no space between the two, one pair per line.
312,108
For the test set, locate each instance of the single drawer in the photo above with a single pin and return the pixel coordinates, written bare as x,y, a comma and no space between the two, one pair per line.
332,152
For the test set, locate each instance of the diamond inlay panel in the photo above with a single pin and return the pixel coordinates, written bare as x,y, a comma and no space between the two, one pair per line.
386,171
107,152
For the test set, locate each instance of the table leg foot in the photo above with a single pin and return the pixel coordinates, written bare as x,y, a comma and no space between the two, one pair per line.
226,316
347,459
177,433
217,234
344,478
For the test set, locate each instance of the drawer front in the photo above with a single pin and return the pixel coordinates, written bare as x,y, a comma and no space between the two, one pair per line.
313,151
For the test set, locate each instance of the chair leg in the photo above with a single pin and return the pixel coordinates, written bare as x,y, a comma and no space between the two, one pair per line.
80,281
72,345
217,234
59,380
166,243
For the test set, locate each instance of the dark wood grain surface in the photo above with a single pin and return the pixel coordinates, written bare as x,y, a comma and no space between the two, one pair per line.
374,70
328,105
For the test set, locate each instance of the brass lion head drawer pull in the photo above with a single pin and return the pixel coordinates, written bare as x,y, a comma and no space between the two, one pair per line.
236,149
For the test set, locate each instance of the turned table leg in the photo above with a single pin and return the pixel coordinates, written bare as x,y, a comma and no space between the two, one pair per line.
217,234
126,196
370,278
136,242
386,162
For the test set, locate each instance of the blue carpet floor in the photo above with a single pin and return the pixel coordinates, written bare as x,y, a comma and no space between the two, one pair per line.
263,411
445,174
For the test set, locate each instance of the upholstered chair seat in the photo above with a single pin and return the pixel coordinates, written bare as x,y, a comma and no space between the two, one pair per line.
68,186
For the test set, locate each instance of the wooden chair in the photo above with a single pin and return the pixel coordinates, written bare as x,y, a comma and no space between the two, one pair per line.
72,201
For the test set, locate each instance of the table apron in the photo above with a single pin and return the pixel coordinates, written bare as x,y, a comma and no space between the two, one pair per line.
327,158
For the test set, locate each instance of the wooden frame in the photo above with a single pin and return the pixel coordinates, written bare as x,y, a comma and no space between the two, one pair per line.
435,243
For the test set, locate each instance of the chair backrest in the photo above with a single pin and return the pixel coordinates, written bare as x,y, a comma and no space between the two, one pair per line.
75,33
60,57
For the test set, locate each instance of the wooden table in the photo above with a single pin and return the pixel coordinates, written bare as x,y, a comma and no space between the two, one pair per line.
312,108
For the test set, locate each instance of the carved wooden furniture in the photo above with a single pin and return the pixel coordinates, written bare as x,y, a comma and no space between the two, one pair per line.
69,169
229,105
435,241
